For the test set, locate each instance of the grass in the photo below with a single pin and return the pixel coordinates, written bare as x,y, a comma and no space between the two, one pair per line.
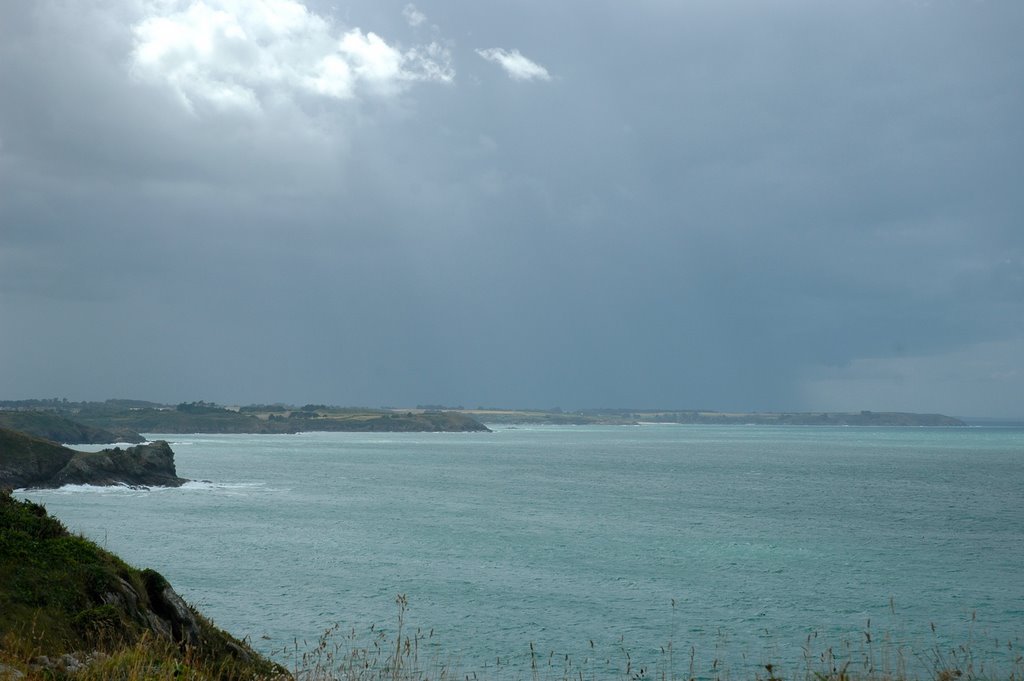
65,598
414,654
404,655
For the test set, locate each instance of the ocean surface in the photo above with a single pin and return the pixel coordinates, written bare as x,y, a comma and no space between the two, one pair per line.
739,546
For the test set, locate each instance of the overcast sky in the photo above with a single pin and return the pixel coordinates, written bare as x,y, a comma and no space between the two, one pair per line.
723,204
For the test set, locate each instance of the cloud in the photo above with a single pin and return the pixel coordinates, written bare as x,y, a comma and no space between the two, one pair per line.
790,221
515,64
413,15
231,55
983,378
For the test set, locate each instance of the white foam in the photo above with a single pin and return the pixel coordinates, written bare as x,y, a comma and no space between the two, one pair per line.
234,488
85,447
89,489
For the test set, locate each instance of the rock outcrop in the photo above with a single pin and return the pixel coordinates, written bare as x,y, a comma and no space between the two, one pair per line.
147,465
27,461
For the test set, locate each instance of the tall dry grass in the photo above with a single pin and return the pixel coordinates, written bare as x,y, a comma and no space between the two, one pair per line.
414,654
345,655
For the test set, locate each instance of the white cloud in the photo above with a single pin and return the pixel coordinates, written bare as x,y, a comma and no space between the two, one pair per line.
239,54
515,64
431,61
413,15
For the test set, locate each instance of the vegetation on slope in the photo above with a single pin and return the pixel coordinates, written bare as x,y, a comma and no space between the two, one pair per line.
65,598
53,426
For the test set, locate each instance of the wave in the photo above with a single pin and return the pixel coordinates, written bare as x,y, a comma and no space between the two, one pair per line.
228,487
89,447
231,488
124,490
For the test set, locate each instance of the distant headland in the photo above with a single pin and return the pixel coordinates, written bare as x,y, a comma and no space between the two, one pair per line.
122,420
114,421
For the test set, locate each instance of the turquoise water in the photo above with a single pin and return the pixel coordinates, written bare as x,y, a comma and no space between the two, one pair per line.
738,541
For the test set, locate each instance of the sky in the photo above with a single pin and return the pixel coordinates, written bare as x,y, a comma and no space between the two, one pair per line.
697,204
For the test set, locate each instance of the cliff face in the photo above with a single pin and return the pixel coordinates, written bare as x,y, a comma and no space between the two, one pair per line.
148,465
27,461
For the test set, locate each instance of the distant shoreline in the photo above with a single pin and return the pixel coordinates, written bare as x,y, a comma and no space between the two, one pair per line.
624,417
123,420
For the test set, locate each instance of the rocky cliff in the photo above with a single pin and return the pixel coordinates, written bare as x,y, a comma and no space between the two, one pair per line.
28,461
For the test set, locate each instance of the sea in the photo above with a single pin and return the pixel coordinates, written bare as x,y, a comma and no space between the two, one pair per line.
696,550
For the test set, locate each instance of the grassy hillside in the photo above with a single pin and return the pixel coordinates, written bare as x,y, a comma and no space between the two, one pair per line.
62,595
53,426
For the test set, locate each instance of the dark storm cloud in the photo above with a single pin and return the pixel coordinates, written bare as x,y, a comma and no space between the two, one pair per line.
728,205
